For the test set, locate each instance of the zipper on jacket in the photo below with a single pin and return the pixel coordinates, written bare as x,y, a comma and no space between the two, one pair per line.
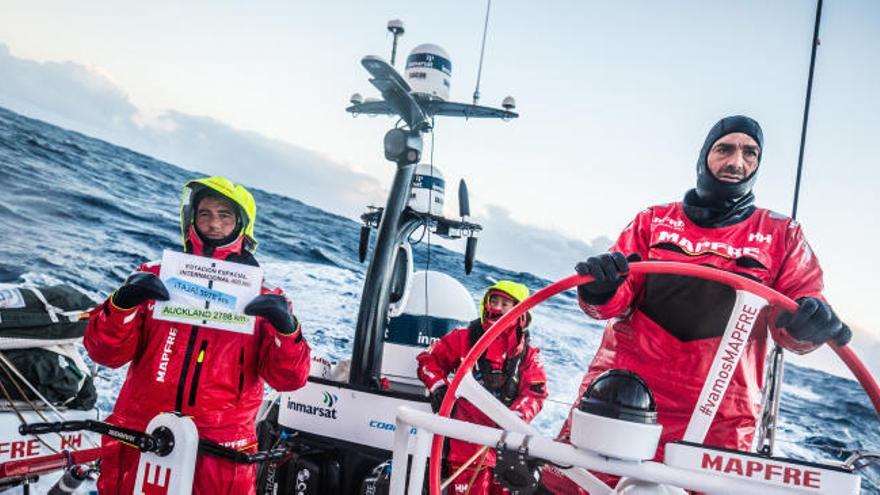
181,382
240,372
198,370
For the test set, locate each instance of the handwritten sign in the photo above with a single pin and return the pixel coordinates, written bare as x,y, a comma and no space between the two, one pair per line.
208,292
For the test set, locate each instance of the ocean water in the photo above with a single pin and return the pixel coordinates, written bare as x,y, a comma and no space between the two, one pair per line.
81,211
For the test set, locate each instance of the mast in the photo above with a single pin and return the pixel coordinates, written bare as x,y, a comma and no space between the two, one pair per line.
404,147
415,103
797,186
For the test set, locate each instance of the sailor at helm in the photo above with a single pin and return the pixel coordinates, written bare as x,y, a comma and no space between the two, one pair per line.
667,328
213,376
510,369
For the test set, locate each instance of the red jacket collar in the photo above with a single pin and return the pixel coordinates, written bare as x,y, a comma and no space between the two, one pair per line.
507,345
220,252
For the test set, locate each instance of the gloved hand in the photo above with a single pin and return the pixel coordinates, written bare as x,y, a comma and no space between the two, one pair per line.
437,398
140,287
274,308
814,321
608,270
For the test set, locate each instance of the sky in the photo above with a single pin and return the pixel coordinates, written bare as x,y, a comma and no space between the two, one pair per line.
615,100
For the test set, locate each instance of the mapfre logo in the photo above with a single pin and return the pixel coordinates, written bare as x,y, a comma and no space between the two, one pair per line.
157,479
165,358
706,247
781,473
669,222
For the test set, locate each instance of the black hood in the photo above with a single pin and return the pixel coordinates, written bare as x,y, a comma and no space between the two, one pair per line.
713,190
714,203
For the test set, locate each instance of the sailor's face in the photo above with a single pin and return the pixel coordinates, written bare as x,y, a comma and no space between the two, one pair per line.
215,218
733,157
499,304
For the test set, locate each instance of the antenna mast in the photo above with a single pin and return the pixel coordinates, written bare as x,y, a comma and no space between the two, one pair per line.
482,50
395,26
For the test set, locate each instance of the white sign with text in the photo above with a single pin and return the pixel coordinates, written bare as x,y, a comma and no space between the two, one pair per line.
208,292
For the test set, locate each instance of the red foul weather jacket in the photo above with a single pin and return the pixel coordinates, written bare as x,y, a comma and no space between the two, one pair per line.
216,377
446,354
667,328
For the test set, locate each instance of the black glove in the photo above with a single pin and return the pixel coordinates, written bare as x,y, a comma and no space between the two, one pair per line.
437,398
608,270
140,287
815,322
273,308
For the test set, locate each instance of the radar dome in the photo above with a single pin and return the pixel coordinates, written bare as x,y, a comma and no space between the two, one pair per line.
429,71
428,190
435,304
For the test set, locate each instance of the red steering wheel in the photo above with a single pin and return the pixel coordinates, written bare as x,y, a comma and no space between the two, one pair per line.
668,267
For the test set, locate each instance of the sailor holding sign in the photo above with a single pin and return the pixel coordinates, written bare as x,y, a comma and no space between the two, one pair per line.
195,344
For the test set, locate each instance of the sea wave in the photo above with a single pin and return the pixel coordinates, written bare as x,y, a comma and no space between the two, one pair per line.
85,212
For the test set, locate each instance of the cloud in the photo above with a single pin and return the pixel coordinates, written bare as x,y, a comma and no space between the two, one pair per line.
87,100
64,93
530,248
205,144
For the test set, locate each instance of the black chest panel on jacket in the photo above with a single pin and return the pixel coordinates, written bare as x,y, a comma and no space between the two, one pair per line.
244,257
687,307
508,390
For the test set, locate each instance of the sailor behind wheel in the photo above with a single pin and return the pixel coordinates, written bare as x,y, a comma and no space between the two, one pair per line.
510,369
667,328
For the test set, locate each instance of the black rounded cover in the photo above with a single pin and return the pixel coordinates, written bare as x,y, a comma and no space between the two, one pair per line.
620,394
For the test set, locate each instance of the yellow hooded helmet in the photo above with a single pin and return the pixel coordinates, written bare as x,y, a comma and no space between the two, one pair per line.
518,292
240,196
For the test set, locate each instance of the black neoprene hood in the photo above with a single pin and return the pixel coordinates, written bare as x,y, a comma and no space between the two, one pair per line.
710,188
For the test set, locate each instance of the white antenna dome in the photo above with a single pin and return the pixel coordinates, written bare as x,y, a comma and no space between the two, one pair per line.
428,189
429,71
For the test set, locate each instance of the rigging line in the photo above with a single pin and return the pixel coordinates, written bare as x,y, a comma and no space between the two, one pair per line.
482,50
464,467
18,413
36,392
477,471
9,366
24,396
419,240
427,222
816,42
561,402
